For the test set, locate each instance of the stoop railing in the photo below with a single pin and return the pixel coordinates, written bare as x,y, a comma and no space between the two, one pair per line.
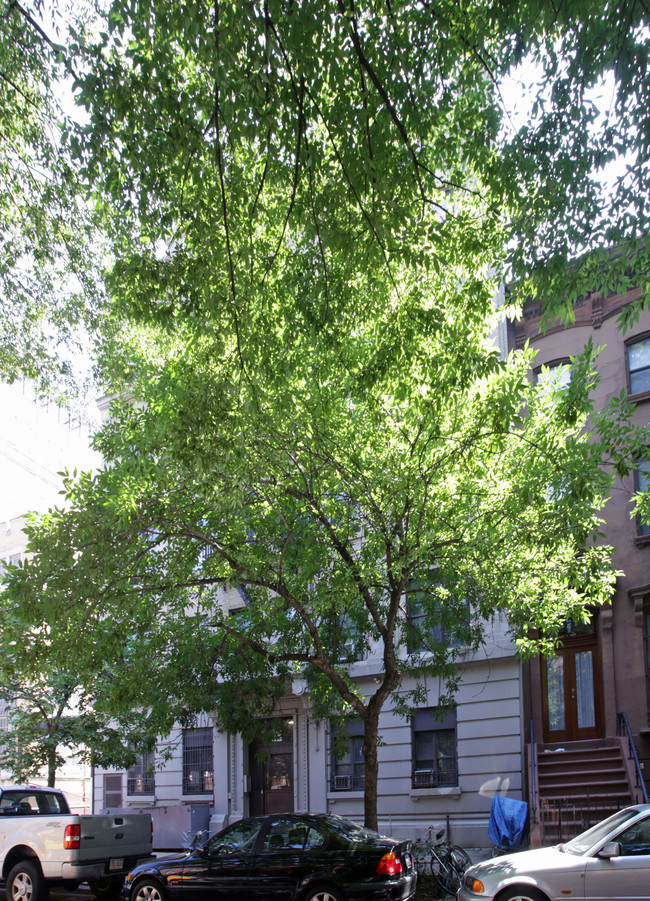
623,729
562,820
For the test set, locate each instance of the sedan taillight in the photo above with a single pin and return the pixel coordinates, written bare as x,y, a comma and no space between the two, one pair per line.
389,865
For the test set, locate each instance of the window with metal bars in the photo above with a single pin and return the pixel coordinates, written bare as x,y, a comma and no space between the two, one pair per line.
113,790
198,761
141,780
434,758
348,766
5,707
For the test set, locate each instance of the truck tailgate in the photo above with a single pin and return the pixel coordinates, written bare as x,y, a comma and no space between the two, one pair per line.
110,836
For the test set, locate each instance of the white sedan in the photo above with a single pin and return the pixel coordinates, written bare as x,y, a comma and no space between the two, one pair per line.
610,860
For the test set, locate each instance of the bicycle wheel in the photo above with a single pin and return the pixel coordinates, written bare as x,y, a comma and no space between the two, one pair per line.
444,873
421,854
460,859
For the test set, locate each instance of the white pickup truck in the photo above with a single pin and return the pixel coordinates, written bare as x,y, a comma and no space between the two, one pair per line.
42,844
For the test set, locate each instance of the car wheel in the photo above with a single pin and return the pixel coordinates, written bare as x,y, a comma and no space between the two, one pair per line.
148,890
108,887
26,883
522,893
319,893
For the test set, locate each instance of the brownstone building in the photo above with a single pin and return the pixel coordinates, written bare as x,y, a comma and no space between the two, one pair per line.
581,758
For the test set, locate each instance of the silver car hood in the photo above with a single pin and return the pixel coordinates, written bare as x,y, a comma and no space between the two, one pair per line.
532,867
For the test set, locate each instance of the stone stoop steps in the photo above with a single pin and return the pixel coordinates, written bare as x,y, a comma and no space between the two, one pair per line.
580,783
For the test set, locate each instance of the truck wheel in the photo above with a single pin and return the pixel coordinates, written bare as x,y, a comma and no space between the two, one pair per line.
107,887
26,883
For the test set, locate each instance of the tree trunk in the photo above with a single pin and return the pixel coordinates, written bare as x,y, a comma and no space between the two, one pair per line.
370,739
51,768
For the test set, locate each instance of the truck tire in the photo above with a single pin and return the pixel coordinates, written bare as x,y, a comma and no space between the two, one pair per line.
26,883
105,888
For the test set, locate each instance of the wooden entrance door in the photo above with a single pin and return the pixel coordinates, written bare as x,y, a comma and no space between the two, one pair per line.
271,769
572,691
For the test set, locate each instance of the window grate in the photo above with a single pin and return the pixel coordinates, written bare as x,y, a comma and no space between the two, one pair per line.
113,790
198,761
140,779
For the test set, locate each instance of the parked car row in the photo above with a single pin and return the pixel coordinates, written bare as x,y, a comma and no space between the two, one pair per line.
306,858
295,857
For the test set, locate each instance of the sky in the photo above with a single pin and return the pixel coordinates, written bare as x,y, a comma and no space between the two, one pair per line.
37,442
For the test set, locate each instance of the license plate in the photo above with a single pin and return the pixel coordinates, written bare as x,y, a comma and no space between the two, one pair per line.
408,861
116,863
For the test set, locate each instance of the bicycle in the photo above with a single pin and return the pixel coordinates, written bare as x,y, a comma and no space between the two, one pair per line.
446,862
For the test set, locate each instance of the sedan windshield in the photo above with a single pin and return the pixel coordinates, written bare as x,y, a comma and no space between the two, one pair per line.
586,840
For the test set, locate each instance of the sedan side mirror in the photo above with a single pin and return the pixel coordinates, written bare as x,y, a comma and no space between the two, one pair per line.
610,849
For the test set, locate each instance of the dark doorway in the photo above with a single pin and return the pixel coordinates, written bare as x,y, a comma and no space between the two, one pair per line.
271,769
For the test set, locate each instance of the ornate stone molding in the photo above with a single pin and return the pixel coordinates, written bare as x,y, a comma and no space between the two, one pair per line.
639,595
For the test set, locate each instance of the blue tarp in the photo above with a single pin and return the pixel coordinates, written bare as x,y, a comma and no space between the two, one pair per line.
507,821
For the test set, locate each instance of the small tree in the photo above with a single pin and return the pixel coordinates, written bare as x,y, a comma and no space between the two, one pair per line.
42,723
50,702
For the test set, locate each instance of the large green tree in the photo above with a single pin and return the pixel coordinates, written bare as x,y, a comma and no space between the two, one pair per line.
336,503
309,206
259,158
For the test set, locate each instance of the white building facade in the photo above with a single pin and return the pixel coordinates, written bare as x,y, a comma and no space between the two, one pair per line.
431,770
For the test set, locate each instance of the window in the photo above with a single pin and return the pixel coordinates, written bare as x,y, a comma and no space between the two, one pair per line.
642,483
349,639
238,840
113,790
638,365
5,708
292,835
554,375
434,618
27,802
635,841
198,761
277,838
434,756
348,764
140,779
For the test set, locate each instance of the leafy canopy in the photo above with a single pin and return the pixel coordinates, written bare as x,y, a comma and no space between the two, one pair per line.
309,208
335,506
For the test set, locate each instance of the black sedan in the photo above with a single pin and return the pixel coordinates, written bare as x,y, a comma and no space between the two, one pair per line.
289,857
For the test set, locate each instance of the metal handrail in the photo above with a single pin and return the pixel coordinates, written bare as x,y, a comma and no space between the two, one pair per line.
622,723
533,773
